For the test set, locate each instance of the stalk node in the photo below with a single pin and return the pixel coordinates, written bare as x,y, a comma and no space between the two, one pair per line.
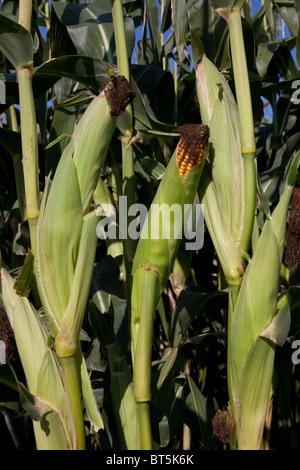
64,349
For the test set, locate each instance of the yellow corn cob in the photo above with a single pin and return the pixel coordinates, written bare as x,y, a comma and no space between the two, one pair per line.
192,147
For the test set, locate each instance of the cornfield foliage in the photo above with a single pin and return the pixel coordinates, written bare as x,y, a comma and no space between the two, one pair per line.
110,341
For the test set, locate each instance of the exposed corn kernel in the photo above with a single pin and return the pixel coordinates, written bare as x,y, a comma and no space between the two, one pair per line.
193,146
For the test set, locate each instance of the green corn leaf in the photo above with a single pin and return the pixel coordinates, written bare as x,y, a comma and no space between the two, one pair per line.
56,141
188,306
92,73
152,17
204,413
224,4
33,405
121,382
125,408
48,430
15,42
24,281
153,168
179,24
277,331
80,98
170,363
92,36
89,398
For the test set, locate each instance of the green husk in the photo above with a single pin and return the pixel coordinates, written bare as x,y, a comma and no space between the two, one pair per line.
222,185
258,326
50,404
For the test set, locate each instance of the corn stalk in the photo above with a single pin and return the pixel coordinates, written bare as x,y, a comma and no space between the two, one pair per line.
128,176
28,129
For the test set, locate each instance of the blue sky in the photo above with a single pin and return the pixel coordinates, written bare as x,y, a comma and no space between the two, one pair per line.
255,6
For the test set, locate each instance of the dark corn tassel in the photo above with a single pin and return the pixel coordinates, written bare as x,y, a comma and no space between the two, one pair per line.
292,255
193,146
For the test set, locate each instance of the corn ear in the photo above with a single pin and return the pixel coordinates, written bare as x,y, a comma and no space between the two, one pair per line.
156,251
63,225
69,198
161,236
53,422
258,326
222,186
